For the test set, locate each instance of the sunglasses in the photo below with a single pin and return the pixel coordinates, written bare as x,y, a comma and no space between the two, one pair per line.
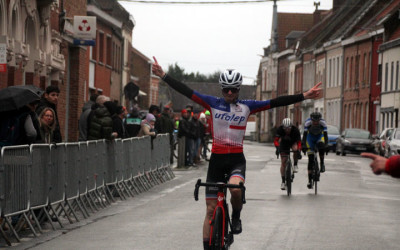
233,90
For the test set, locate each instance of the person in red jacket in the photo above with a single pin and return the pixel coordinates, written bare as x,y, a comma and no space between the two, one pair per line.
381,165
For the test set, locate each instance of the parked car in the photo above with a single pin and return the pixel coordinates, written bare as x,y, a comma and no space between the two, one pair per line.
381,141
354,141
333,134
392,144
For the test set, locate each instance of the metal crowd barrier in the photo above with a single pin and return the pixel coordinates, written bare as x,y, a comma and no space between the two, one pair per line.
68,181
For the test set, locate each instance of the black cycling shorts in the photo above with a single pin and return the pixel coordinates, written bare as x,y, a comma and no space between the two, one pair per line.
233,165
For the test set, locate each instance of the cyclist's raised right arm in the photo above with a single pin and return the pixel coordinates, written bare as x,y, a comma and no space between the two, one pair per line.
175,84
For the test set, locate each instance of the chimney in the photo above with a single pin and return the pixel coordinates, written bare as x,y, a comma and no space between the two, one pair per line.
274,31
317,13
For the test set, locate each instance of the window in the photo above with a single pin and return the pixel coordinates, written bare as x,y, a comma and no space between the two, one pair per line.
351,72
347,80
366,116
329,73
109,50
386,76
334,72
364,77
391,76
357,71
340,65
397,75
101,47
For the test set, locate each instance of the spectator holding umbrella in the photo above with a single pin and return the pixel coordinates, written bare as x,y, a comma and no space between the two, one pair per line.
19,124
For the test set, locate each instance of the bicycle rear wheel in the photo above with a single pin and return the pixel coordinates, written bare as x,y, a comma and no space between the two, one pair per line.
217,228
288,177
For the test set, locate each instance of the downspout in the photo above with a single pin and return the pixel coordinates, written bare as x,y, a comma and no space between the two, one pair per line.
342,122
122,67
67,95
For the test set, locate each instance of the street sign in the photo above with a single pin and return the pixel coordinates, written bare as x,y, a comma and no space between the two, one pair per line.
3,57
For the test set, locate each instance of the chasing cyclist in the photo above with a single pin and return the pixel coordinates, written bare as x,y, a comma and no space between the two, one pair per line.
315,133
287,137
229,119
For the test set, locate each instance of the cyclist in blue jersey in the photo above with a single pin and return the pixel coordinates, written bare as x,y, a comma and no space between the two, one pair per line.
229,118
315,134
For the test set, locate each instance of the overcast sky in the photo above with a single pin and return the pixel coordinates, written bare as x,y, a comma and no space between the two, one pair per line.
206,38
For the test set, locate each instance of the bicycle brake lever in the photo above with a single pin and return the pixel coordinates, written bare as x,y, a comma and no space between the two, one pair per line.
196,190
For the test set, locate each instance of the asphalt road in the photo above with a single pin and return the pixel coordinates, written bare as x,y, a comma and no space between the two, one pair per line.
354,209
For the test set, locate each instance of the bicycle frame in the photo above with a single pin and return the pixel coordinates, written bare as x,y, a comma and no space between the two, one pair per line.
226,237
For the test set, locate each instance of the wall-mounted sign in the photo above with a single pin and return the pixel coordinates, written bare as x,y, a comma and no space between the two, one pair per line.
84,30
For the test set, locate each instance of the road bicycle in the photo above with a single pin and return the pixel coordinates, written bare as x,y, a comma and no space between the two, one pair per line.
221,236
289,171
315,171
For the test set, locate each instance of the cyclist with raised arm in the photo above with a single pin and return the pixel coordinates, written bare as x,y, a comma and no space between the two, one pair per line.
229,118
315,134
287,137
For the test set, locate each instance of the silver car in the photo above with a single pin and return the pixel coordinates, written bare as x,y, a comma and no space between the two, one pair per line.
381,141
392,146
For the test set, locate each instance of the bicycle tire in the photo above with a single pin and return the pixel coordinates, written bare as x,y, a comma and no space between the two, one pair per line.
217,237
315,176
288,177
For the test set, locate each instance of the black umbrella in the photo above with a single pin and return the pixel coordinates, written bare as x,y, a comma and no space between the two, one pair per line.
15,97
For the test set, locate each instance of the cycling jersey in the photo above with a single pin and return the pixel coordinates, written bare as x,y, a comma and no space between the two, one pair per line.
285,141
314,134
315,130
229,120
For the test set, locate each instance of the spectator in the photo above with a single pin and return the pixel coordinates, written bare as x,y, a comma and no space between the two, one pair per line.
381,165
147,126
133,123
100,121
196,128
165,125
83,119
118,123
203,127
184,130
155,110
50,100
47,125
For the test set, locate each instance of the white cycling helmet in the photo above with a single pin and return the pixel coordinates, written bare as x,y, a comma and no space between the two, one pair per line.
230,78
287,123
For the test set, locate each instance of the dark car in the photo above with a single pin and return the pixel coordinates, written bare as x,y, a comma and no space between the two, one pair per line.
354,141
333,134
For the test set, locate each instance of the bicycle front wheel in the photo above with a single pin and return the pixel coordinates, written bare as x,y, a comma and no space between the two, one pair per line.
217,237
288,177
